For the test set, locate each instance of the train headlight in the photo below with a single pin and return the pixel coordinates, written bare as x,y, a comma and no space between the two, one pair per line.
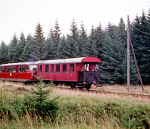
94,86
32,75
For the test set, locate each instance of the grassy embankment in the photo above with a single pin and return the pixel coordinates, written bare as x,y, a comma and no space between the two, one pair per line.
79,110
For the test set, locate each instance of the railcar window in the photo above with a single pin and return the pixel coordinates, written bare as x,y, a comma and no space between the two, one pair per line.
40,68
10,69
19,69
23,68
3,69
57,68
71,67
46,68
52,68
7,69
32,67
14,69
0,70
27,67
64,67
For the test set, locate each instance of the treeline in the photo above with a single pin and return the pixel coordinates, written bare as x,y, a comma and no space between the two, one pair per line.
108,44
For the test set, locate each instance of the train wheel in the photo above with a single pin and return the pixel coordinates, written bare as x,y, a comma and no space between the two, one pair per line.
73,86
88,87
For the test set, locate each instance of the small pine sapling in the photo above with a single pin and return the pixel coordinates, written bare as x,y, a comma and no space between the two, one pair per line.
38,102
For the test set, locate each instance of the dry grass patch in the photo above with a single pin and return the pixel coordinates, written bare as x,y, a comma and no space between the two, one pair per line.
9,84
77,94
123,89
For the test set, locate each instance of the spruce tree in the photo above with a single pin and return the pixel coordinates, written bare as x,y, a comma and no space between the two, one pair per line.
82,40
66,51
73,41
140,38
99,35
62,50
57,33
3,53
106,68
20,47
38,49
148,49
28,49
49,49
121,32
91,49
12,50
56,38
38,102
113,57
51,34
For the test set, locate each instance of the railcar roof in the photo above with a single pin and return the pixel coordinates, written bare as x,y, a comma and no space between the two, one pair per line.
58,61
20,63
70,60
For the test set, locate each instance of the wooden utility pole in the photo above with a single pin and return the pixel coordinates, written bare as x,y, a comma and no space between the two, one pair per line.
129,42
137,68
128,56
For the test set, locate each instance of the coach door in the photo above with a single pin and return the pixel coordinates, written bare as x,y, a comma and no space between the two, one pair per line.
21,73
2,73
11,73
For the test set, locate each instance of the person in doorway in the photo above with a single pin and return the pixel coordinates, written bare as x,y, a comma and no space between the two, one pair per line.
84,68
87,67
96,68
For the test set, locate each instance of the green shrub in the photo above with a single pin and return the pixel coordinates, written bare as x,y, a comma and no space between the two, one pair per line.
38,103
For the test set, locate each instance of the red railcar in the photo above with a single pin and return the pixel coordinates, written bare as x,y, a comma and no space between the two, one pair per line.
23,72
69,71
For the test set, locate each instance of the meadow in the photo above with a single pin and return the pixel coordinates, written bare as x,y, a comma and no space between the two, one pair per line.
76,109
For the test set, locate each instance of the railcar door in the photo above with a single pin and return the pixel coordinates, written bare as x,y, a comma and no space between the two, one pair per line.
13,76
11,73
21,73
2,73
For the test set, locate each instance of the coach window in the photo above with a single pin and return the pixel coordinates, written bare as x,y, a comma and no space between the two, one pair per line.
71,67
14,69
10,69
19,69
57,68
3,69
52,68
27,67
23,69
32,67
64,67
7,69
46,68
40,68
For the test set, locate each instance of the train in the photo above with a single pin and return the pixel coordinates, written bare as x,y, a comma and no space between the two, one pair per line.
64,71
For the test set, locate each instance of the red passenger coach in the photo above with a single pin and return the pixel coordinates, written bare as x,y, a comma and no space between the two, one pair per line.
23,72
69,71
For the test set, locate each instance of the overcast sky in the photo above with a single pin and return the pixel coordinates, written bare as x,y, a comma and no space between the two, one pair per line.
18,16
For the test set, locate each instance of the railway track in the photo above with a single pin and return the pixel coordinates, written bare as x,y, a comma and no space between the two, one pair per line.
125,94
111,93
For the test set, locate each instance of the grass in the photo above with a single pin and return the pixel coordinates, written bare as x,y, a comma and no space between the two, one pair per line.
81,109
135,89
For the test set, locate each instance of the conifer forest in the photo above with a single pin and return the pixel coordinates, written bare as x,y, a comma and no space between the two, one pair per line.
109,44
